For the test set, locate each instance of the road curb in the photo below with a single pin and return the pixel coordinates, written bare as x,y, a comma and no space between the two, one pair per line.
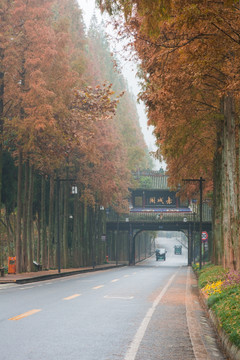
231,350
59,275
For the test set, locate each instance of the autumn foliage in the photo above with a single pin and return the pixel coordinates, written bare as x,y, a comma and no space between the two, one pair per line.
190,69
56,123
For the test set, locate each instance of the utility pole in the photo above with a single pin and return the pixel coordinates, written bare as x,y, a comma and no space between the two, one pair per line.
200,220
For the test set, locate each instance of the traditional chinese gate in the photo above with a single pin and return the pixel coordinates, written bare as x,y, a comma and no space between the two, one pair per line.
154,207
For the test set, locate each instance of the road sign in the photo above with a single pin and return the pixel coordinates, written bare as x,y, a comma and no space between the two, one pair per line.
204,236
103,237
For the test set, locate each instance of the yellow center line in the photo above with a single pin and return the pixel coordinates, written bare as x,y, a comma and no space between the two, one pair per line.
115,280
28,313
71,297
97,287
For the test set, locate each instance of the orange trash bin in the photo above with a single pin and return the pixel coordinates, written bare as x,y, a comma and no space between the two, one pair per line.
12,265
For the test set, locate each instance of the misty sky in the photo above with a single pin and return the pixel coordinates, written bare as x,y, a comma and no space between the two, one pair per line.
129,71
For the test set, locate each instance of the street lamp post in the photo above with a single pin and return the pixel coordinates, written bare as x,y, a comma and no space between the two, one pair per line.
193,243
200,222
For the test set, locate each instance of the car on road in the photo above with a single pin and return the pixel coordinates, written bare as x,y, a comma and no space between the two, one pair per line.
178,249
161,254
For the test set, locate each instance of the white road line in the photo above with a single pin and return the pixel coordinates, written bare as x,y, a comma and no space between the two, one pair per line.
134,346
97,287
26,288
119,297
6,286
115,280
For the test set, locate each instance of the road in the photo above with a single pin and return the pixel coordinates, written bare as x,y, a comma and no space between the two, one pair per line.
149,311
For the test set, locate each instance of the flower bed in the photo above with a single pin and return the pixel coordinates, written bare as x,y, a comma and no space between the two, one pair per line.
222,289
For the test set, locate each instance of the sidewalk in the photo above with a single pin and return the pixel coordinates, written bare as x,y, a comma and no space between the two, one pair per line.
23,278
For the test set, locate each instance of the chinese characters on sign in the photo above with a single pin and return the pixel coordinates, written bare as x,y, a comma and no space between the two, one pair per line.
160,201
154,198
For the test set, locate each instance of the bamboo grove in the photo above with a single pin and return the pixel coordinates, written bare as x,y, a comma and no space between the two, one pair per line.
69,135
189,54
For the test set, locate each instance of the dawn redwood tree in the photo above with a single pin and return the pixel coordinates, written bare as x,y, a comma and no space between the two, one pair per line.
30,115
94,160
206,58
65,10
102,66
189,52
55,127
5,6
39,81
100,165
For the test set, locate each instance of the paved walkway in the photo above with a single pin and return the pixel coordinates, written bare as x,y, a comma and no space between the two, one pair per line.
51,274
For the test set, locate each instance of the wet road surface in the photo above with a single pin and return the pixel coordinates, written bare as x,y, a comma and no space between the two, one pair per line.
150,311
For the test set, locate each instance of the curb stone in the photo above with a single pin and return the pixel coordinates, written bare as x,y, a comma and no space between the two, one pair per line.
63,274
57,275
230,348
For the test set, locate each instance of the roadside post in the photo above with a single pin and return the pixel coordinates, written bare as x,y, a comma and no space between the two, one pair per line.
204,241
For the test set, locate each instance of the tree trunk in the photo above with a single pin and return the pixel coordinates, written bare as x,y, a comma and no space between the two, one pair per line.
230,208
39,237
86,256
217,213
43,223
61,216
80,227
10,237
56,225
30,221
65,223
25,207
1,119
19,214
51,263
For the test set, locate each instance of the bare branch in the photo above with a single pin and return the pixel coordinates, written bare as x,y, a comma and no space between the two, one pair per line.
225,33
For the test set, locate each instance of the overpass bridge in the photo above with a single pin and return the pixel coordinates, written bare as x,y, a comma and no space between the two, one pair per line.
154,207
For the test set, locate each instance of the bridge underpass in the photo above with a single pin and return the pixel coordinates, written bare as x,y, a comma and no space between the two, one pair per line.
156,208
133,226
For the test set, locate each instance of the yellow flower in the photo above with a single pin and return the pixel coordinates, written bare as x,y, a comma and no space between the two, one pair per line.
214,288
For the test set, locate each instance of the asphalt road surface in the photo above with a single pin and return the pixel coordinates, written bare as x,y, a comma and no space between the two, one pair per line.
148,311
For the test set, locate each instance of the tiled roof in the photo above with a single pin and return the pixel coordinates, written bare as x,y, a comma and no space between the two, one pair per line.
154,180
